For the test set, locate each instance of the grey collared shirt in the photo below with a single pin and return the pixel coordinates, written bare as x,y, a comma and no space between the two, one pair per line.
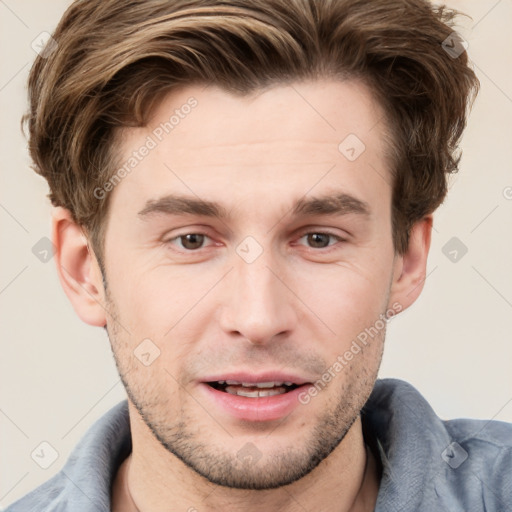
427,464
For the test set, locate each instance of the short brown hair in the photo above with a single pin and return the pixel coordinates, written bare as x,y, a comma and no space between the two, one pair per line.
116,58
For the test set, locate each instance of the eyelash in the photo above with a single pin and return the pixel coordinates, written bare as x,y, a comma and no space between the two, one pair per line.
325,249
331,235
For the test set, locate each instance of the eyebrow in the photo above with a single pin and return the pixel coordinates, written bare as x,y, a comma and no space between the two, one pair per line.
337,204
333,204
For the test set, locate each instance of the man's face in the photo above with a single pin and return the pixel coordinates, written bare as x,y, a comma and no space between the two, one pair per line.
273,291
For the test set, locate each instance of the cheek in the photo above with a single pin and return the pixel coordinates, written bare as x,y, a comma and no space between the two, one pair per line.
348,297
164,302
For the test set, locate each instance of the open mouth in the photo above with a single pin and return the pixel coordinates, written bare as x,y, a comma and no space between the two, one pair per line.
254,398
253,389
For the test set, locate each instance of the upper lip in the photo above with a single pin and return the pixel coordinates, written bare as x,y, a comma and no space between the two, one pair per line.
255,378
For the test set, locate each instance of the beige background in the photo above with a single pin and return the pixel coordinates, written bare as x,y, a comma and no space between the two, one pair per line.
454,344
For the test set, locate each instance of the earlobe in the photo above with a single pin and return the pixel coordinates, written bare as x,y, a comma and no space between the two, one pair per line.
78,269
411,267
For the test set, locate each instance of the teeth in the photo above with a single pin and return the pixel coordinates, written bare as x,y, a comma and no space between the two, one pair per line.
248,394
270,384
255,393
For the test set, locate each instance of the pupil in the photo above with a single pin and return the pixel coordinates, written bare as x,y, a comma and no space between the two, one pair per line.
192,241
317,239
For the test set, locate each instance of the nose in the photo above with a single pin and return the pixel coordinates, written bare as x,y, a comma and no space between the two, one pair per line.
258,304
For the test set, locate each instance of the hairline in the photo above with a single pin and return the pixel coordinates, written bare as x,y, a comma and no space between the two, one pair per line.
390,149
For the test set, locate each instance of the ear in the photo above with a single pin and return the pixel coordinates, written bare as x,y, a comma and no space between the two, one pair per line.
78,269
410,268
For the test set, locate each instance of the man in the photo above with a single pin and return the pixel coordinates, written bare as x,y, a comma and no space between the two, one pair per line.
243,198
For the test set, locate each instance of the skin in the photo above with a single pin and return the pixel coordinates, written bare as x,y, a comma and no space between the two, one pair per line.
296,308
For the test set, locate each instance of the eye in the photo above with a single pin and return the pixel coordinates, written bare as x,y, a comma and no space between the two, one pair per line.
189,241
319,240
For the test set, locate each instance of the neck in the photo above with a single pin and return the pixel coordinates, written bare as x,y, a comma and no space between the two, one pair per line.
152,479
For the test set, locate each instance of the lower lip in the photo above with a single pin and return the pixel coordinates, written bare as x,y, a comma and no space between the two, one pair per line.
266,408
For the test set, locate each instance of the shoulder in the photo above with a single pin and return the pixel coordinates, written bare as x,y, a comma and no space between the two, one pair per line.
480,459
434,464
47,497
83,484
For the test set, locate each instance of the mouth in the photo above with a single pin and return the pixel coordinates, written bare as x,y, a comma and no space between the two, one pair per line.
249,397
253,389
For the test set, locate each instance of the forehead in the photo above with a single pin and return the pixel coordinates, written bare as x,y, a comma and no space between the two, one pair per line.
286,139
322,112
